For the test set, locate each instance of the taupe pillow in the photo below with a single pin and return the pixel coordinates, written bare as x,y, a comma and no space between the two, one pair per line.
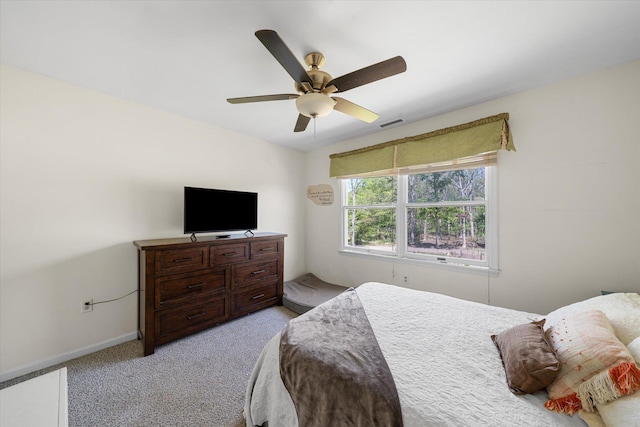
528,359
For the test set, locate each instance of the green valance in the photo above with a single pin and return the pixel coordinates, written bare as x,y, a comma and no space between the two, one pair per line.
471,143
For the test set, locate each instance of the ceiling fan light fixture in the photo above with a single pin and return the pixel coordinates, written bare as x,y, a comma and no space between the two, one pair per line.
314,104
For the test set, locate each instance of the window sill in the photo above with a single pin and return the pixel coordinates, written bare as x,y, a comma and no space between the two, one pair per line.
444,265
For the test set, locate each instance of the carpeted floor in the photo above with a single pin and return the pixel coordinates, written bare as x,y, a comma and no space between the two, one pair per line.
196,381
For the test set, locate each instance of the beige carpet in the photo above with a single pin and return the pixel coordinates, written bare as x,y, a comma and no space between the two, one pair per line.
196,381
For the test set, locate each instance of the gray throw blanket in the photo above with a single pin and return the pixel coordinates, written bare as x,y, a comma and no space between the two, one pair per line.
334,370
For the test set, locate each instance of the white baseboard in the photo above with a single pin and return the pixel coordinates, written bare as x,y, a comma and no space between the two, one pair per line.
27,369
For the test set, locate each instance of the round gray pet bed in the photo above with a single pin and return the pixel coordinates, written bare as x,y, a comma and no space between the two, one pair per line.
307,291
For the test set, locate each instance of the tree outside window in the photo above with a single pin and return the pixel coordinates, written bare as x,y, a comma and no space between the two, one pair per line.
439,216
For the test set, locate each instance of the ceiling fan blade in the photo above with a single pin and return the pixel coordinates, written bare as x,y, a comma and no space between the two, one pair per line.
369,74
274,44
354,110
278,97
302,123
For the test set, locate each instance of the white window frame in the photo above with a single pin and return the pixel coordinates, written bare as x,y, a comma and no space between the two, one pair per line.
401,254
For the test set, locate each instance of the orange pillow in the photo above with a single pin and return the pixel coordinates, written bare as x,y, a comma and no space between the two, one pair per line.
596,367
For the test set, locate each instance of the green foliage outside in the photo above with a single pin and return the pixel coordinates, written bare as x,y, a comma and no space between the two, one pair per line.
437,227
372,226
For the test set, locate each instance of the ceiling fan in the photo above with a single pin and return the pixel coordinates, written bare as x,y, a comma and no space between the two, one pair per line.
314,86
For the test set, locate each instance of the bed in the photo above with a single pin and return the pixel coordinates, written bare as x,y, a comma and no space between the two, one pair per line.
442,355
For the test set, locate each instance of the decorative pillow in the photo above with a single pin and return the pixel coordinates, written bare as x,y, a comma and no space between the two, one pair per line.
622,310
527,357
624,412
593,419
596,367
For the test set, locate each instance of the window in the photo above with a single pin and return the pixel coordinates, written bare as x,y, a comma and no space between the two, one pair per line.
428,198
445,217
371,213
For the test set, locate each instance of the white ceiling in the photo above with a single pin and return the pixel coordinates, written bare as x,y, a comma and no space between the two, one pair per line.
187,57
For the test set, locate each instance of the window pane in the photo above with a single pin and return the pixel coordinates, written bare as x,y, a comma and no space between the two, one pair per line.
451,231
372,228
372,191
460,185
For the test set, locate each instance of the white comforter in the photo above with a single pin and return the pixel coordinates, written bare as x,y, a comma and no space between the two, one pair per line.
446,368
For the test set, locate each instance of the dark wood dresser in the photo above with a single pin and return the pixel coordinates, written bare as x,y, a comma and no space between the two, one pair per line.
188,286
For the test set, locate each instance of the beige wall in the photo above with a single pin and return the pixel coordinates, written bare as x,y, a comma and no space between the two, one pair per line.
84,174
569,199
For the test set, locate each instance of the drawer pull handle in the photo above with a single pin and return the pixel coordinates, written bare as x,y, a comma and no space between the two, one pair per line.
231,253
257,296
266,249
259,271
199,285
196,315
182,259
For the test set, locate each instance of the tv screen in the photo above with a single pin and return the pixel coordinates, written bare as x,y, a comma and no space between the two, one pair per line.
209,210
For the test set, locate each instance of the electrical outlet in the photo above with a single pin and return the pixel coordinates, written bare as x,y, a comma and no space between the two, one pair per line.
87,306
406,279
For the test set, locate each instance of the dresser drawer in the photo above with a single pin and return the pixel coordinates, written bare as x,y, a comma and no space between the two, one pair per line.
172,290
252,271
188,318
181,260
269,249
228,254
254,297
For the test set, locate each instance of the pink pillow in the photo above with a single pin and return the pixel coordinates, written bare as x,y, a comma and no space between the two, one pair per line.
595,368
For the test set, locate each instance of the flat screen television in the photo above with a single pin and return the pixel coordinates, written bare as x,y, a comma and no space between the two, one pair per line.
212,210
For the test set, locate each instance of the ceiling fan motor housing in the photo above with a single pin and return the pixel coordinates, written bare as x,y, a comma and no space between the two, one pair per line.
319,81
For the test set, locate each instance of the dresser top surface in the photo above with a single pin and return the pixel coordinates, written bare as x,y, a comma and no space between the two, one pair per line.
204,240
